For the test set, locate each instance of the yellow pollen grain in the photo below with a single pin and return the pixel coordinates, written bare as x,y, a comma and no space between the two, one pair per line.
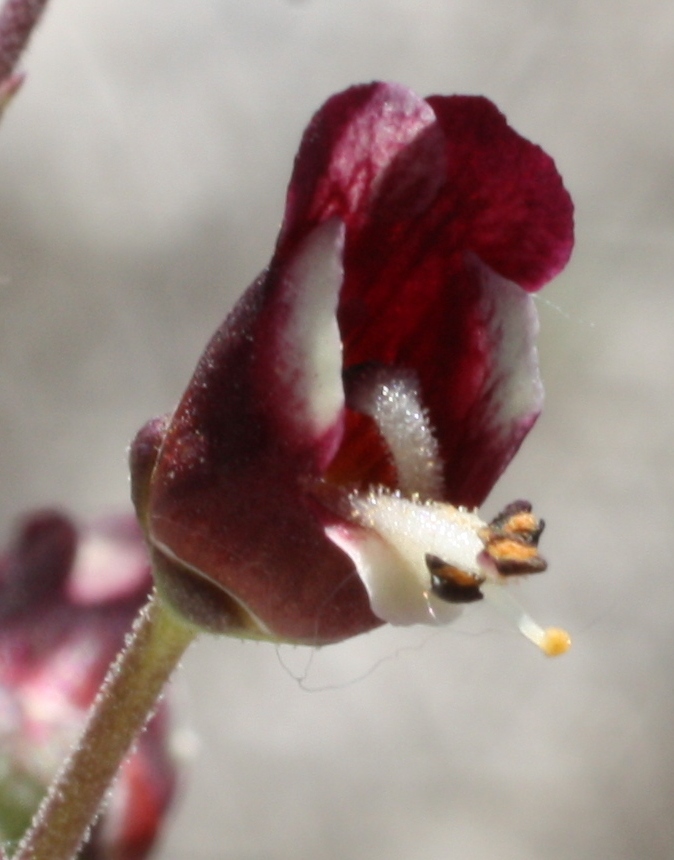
555,642
522,523
504,549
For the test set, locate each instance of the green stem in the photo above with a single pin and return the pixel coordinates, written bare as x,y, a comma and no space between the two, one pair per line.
124,704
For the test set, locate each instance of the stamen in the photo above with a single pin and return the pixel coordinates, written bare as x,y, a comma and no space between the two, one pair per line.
451,583
552,641
511,540
391,398
391,550
421,556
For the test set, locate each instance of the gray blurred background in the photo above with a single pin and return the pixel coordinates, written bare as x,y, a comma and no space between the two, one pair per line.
143,171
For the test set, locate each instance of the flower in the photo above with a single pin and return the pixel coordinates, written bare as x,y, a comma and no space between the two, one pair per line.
18,19
321,471
67,600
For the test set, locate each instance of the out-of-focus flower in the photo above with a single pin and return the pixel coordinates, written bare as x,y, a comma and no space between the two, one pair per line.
320,474
18,19
67,600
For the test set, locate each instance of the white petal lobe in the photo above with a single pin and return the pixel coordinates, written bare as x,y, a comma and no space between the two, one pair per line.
310,347
389,552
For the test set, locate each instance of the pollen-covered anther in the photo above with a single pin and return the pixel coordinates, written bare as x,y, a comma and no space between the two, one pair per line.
513,556
452,584
527,526
511,540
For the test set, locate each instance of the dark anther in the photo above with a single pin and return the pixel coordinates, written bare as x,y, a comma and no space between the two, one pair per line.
520,506
451,584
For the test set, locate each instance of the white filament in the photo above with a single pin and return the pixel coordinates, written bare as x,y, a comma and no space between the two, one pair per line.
552,641
506,604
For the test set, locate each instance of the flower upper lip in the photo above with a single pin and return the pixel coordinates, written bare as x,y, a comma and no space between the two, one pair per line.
432,192
414,231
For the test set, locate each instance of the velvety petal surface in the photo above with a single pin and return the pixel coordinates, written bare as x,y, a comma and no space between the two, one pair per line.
262,417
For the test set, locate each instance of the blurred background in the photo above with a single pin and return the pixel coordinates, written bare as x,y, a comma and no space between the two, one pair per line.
143,170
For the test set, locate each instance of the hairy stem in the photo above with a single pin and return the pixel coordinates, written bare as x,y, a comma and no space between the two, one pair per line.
123,706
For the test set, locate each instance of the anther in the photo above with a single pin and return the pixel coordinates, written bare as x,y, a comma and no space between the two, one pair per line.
511,540
451,584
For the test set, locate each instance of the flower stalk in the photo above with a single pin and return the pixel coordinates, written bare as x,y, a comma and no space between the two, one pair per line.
121,710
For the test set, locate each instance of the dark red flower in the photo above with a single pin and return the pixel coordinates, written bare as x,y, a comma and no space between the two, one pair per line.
18,19
385,361
67,600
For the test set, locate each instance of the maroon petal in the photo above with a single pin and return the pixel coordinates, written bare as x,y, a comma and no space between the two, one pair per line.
348,146
429,198
517,215
229,496
18,19
34,570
